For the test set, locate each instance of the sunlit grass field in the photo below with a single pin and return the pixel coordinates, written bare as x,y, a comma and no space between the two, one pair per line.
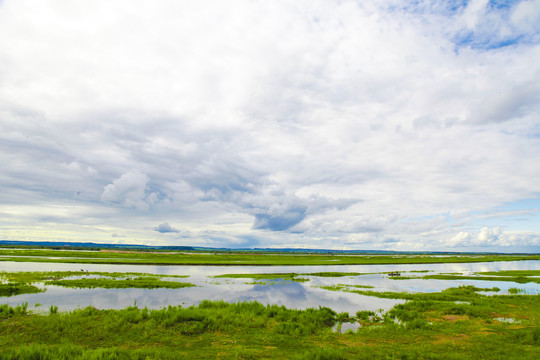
458,323
236,258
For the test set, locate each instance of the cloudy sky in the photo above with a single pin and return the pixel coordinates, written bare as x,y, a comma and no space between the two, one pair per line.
382,124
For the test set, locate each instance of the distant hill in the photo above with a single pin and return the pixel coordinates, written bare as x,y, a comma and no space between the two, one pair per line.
91,245
87,245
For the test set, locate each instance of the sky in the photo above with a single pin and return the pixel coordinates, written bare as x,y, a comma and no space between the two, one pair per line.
369,125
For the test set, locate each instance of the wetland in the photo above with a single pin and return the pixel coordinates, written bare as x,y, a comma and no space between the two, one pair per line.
432,309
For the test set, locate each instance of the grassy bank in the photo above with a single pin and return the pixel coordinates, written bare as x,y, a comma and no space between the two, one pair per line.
22,282
158,258
430,327
517,276
12,289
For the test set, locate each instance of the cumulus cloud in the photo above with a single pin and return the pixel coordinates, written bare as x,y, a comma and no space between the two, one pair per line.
130,190
392,122
165,228
488,236
493,238
461,239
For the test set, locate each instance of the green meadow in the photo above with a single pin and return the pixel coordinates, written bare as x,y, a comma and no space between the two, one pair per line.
517,276
464,322
237,258
16,283
458,323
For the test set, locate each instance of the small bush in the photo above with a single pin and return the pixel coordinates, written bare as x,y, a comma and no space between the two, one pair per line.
325,354
343,317
365,315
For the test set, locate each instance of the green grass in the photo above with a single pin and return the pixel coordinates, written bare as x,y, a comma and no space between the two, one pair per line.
287,276
517,279
359,286
139,283
428,326
270,276
12,289
511,273
518,276
21,281
335,274
41,276
179,258
451,294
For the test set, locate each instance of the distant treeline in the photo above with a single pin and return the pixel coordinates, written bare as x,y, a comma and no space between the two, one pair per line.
134,247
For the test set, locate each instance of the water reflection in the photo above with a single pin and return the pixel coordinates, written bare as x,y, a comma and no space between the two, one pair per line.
290,294
200,271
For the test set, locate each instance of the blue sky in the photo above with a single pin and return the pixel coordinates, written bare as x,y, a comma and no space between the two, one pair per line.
389,124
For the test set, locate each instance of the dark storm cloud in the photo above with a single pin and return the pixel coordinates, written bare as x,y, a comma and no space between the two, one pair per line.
283,221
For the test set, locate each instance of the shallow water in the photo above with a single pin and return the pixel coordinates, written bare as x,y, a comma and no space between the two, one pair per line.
291,294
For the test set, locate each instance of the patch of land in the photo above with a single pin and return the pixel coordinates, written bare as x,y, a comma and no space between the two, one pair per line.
517,276
458,323
236,259
16,283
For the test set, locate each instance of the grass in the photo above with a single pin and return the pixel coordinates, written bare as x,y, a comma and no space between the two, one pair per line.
287,276
428,326
139,283
511,273
179,258
12,289
452,294
515,291
21,282
359,286
271,276
517,277
335,274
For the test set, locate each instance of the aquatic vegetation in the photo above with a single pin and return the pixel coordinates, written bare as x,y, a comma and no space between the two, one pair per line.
41,276
451,294
403,277
20,282
7,311
12,289
147,282
335,274
359,286
517,279
518,276
428,326
511,273
286,276
268,276
455,323
516,291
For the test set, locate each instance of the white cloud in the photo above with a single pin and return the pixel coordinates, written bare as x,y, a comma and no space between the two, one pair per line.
494,238
489,237
461,239
474,11
328,120
526,15
130,190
